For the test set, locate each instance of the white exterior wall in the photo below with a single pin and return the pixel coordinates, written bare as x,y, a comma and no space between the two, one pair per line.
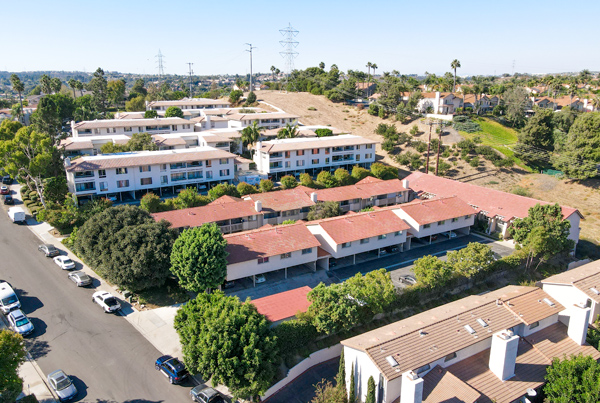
569,295
574,219
134,176
252,267
267,122
184,107
181,128
544,323
363,369
419,231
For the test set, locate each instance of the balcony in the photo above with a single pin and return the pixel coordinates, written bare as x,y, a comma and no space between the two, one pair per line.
228,229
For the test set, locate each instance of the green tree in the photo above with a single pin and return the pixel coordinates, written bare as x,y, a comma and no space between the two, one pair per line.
223,189
74,86
431,272
187,198
323,132
375,289
322,210
535,137
173,112
573,380
251,134
266,185
370,390
19,87
56,85
244,189
326,179
550,218
307,180
199,258
332,310
352,394
138,89
8,129
150,202
288,222
343,177
581,153
516,101
289,182
55,189
359,173
46,118
384,172
235,96
341,378
251,99
141,142
115,92
288,132
99,87
455,65
469,261
12,355
325,392
46,84
228,342
137,104
151,114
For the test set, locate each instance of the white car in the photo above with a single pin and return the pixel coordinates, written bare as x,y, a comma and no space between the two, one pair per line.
64,262
449,234
19,322
62,385
107,301
260,278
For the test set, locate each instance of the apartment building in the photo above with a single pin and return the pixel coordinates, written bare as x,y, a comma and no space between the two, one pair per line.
132,174
493,347
369,192
312,155
188,104
577,287
268,120
268,249
129,126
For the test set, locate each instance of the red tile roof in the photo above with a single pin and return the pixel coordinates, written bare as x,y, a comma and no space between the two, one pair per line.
362,225
226,199
283,305
490,201
214,212
430,211
270,241
284,200
362,190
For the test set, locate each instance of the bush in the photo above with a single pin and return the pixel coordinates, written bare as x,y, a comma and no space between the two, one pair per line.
414,130
373,110
244,188
474,162
322,132
292,335
521,191
384,172
387,145
307,180
465,124
266,185
312,108
289,182
420,146
251,99
326,179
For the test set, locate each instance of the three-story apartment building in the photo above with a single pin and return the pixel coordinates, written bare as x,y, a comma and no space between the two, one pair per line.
188,104
130,126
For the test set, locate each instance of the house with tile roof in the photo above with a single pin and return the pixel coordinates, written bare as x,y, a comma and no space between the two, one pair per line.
493,347
267,249
498,209
444,103
284,305
577,287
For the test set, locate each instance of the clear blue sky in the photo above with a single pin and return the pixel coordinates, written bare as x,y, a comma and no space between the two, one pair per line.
409,36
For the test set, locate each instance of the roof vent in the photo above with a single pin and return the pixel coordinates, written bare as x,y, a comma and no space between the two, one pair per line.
470,329
422,333
482,323
595,290
191,213
550,303
392,361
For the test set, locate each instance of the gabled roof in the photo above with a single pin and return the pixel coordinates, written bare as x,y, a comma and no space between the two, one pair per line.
490,201
584,278
357,226
362,190
442,386
284,304
269,241
284,200
434,210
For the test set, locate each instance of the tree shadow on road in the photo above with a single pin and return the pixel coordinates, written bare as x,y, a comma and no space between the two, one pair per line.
37,348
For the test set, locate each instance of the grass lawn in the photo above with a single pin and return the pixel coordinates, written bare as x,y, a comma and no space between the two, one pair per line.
497,136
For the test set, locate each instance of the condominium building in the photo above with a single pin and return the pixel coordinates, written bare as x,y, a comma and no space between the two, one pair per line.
129,126
312,155
132,174
268,120
188,103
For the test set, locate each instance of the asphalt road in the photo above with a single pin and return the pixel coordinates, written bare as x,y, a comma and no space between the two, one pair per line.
107,358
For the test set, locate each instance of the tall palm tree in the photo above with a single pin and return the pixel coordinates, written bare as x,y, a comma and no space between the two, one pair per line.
251,134
374,67
73,84
369,65
56,84
18,86
273,68
79,87
596,102
572,90
46,84
455,65
288,132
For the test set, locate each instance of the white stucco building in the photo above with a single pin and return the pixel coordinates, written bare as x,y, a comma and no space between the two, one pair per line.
268,120
129,126
188,104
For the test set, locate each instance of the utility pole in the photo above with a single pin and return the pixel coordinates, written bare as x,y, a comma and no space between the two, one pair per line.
250,47
191,71
428,147
437,162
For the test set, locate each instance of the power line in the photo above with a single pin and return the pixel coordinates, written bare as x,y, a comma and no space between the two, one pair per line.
250,47
160,64
290,44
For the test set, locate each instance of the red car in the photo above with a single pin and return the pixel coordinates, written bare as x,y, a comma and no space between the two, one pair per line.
4,190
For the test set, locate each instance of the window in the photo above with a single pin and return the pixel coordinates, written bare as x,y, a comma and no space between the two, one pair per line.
174,128
286,255
346,245
223,161
315,151
163,167
140,129
80,187
358,147
300,153
384,236
209,163
121,171
288,164
275,165
104,186
397,233
195,175
276,155
84,174
534,325
145,181
194,164
306,251
368,156
426,225
123,183
369,146
262,260
178,177
145,168
164,180
441,222
422,369
208,174
327,151
224,172
358,157
96,131
102,173
288,154
128,129
326,160
364,241
454,219
178,165
467,217
300,163
450,357
315,161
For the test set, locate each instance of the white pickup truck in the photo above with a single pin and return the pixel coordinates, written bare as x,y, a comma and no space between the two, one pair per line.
16,214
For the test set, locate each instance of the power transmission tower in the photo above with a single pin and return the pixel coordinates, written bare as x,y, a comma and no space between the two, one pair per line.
250,47
191,71
160,63
290,44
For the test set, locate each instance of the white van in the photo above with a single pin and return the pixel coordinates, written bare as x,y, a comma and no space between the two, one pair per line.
8,298
16,214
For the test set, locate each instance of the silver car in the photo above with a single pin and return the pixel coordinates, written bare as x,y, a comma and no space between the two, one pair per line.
62,385
20,323
80,278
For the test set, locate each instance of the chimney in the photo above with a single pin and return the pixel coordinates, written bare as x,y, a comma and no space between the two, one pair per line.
503,354
67,162
117,115
412,388
579,317
258,206
313,197
405,183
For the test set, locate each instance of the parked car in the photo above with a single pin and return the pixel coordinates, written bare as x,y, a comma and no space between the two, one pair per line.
17,215
64,262
19,322
4,190
62,385
260,278
228,284
449,234
112,197
392,249
408,280
107,301
202,394
8,200
49,250
332,263
172,368
80,278
8,298
7,180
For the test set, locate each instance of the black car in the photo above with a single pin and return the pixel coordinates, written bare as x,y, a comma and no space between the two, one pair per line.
8,199
172,368
202,394
228,284
49,250
7,180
